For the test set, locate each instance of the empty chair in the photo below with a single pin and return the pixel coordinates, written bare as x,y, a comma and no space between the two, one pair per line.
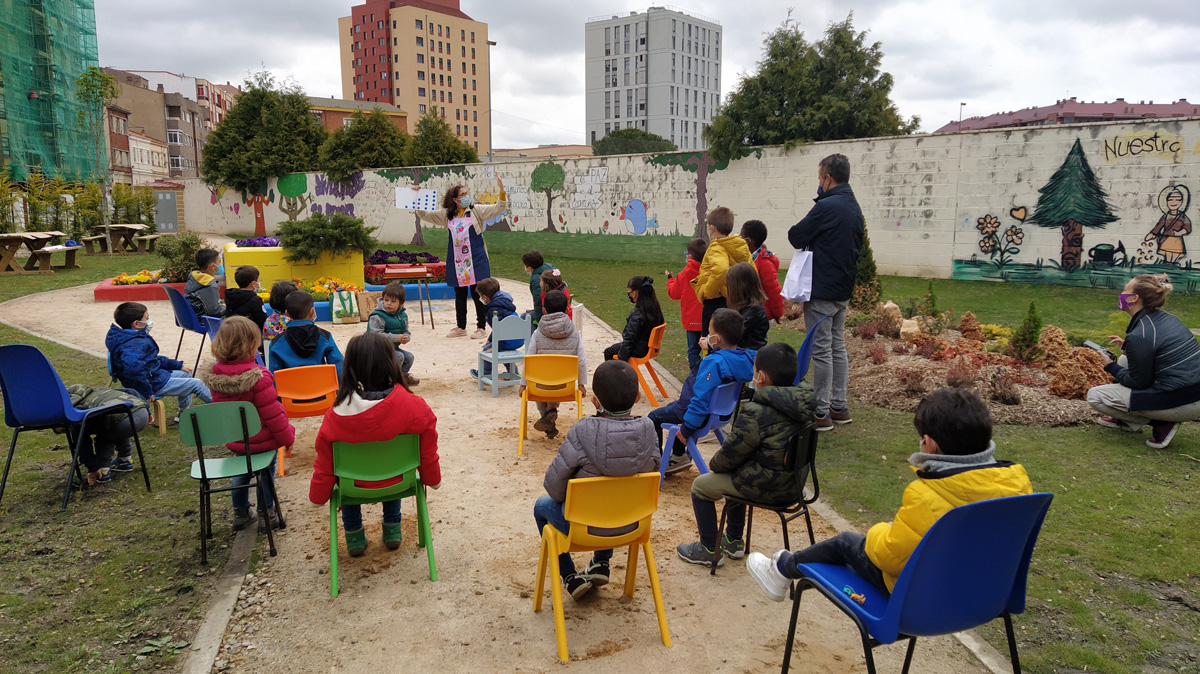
306,391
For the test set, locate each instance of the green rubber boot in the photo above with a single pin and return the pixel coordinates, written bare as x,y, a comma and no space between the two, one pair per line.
391,535
356,542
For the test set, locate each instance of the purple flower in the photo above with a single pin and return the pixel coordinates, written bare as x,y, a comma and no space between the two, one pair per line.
258,242
401,257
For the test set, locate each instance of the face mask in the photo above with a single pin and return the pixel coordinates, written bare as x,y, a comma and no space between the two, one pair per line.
631,300
1125,300
220,270
149,325
465,201
820,190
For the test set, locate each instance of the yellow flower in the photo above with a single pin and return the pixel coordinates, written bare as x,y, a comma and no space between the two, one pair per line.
988,225
987,245
1014,235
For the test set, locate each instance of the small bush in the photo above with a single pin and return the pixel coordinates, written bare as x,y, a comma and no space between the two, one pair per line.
869,329
1002,387
915,380
927,347
179,255
1023,345
856,320
900,348
308,239
879,354
911,307
961,373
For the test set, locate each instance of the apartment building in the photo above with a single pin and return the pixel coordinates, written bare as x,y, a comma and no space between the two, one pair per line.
334,113
420,56
657,70
116,120
148,157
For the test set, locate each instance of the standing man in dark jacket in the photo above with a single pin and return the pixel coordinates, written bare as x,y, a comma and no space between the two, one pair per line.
833,231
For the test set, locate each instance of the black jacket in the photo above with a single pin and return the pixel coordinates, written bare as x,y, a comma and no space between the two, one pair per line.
240,302
756,324
635,339
1164,362
833,231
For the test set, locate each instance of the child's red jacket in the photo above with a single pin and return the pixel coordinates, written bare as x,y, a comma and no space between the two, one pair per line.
360,420
680,288
768,272
248,381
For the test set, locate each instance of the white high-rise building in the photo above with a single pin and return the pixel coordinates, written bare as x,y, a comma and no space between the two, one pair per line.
657,70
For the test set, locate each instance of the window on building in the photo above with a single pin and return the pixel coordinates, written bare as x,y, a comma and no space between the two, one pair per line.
472,36
420,41
474,115
421,75
473,101
421,108
472,52
458,129
176,163
475,131
451,96
443,112
439,29
174,138
421,92
464,68
462,35
420,26
420,58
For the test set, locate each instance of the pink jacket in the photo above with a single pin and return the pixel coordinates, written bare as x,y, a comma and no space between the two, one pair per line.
248,381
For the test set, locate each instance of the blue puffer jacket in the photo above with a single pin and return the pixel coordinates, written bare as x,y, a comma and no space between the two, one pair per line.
499,308
135,360
719,367
1164,362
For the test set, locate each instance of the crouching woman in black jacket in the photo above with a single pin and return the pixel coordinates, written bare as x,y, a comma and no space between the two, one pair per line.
1158,378
646,315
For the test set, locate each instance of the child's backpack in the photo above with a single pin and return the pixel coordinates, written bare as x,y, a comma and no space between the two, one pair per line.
197,305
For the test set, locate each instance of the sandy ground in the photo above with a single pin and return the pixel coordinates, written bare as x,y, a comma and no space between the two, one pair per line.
479,613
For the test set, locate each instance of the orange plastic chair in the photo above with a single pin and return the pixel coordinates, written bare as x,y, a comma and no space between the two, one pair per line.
305,391
655,343
594,505
549,379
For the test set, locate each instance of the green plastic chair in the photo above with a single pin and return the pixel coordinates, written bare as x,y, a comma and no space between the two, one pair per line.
375,462
218,424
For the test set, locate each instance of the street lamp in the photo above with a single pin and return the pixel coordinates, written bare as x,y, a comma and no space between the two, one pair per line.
491,138
960,111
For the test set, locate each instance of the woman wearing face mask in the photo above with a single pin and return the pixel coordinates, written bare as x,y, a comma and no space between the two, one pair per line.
1158,377
466,255
645,316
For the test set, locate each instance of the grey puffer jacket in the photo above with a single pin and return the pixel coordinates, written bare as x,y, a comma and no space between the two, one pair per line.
603,446
555,334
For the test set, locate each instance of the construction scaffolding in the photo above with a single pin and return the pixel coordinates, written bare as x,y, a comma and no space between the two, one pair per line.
45,45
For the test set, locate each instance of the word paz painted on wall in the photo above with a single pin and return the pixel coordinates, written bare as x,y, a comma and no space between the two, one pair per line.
1168,146
587,189
330,209
327,187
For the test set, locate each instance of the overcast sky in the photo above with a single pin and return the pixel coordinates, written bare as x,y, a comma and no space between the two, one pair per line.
994,55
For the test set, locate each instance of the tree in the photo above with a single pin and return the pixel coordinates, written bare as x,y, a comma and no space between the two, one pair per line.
546,178
369,141
802,93
702,164
95,90
1071,200
631,141
434,143
269,132
867,290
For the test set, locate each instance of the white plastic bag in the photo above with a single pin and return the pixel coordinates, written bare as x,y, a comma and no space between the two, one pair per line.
797,285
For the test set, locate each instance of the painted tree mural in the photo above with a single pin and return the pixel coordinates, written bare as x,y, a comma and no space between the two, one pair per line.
292,194
257,197
418,175
547,178
702,164
1071,200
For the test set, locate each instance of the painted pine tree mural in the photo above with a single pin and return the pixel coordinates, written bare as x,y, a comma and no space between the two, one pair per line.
1071,200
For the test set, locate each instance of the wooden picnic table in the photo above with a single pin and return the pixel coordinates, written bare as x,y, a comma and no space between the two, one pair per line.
120,236
34,241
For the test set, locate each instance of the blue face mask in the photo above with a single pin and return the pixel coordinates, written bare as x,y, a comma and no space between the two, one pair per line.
820,190
220,270
465,201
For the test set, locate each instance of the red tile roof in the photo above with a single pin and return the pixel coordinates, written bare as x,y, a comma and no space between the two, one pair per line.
1077,111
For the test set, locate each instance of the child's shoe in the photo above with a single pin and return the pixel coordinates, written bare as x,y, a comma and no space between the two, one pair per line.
696,553
122,464
596,573
766,573
551,432
243,517
679,462
733,548
391,535
474,373
356,542
276,521
99,477
547,421
411,380
576,586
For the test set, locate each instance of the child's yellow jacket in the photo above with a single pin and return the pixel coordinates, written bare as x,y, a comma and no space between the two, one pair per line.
722,254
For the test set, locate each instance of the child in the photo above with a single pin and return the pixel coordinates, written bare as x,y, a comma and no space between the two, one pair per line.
535,266
723,252
555,334
552,280
390,319
679,287
645,316
611,443
277,321
107,434
746,297
955,466
498,305
202,283
725,363
236,377
373,405
244,300
303,342
755,234
135,360
750,464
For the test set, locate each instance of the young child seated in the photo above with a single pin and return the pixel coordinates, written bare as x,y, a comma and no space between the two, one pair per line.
767,264
555,334
303,342
745,296
390,320
552,280
725,363
679,287
373,405
535,265
135,360
277,321
750,464
244,300
955,466
611,443
498,305
110,434
236,377
645,316
202,283
724,251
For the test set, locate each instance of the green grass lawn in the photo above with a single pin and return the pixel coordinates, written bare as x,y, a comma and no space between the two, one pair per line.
93,269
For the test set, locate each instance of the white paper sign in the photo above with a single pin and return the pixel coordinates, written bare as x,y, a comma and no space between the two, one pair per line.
408,199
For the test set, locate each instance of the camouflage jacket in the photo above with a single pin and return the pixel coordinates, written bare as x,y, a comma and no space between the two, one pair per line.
755,449
87,397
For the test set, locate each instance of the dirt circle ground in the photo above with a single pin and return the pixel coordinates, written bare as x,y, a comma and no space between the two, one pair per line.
478,616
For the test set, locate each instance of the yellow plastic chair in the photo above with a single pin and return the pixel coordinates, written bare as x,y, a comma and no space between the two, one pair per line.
604,513
549,379
655,343
305,391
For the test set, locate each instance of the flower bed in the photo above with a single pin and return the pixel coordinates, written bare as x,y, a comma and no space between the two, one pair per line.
107,291
381,257
140,278
258,242
272,267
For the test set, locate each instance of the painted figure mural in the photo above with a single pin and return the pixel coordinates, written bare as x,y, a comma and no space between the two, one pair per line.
1174,224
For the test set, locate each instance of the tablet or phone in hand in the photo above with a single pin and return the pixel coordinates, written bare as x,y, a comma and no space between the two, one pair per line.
1092,345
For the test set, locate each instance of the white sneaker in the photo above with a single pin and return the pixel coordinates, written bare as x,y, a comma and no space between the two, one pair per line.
456,332
479,334
765,572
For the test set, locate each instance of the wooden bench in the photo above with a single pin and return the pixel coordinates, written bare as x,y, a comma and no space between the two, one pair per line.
146,243
43,259
91,241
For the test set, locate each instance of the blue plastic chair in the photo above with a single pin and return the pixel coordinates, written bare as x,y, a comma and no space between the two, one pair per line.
721,406
160,408
804,355
969,569
35,399
512,327
185,318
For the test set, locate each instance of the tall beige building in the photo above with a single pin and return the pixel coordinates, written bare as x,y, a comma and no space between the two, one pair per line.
420,55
